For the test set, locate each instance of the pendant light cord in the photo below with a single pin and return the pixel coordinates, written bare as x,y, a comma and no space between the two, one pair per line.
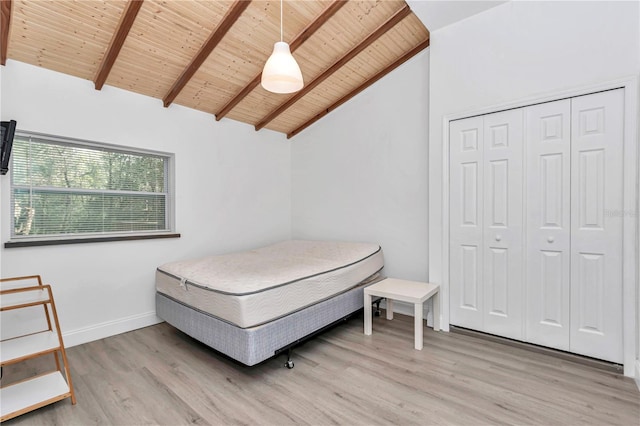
281,38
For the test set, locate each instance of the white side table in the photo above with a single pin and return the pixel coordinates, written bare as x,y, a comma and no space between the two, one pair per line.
406,291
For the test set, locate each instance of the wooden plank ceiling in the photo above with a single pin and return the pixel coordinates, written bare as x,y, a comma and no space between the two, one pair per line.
208,55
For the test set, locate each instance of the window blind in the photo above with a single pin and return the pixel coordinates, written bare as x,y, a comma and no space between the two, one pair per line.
61,188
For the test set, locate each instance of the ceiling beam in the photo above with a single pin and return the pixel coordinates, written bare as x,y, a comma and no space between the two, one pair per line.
376,34
216,36
307,32
401,60
6,20
126,21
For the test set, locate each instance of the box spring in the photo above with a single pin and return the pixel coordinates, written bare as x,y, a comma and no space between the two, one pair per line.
255,344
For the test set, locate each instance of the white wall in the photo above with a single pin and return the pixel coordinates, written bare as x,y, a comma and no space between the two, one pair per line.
436,14
516,51
233,189
638,299
360,174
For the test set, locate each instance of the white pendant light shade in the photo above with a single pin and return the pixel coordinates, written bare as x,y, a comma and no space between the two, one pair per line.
281,73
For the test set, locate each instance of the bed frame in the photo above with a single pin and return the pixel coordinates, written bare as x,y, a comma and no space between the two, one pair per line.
253,345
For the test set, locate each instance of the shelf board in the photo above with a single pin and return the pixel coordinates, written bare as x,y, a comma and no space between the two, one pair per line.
28,395
22,298
14,350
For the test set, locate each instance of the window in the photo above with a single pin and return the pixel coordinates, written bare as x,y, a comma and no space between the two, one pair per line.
62,189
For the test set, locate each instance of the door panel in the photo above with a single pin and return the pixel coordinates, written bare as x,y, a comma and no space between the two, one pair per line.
596,234
503,223
590,191
469,193
592,290
499,187
552,168
499,278
466,192
552,308
469,277
548,146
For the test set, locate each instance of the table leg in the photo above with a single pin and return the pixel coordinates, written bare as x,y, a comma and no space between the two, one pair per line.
417,315
389,309
436,312
367,314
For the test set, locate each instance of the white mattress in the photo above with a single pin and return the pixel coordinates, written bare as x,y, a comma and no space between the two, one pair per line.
257,286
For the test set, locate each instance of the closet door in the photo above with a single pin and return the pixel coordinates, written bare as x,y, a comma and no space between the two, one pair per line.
502,247
596,230
465,248
548,204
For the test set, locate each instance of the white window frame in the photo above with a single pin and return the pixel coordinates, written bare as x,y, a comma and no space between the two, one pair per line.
54,239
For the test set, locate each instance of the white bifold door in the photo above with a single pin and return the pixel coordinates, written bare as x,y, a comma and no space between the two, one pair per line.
596,226
486,223
536,208
548,218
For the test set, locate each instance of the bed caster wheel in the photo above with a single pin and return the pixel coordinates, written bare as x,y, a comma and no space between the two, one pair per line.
289,364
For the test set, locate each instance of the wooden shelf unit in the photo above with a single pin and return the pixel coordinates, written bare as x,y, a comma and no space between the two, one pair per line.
35,392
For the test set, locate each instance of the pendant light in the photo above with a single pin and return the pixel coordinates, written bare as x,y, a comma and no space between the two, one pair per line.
281,73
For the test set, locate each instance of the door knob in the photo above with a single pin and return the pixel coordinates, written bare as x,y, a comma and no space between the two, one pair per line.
498,237
550,239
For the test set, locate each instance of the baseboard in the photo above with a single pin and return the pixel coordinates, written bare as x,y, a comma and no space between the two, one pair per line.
638,373
109,328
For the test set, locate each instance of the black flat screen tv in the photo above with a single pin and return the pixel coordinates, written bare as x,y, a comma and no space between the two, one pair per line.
7,130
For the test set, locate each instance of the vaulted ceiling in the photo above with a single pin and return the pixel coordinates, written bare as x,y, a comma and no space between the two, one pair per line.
208,55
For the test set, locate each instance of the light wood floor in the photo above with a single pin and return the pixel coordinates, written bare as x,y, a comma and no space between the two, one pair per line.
158,375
